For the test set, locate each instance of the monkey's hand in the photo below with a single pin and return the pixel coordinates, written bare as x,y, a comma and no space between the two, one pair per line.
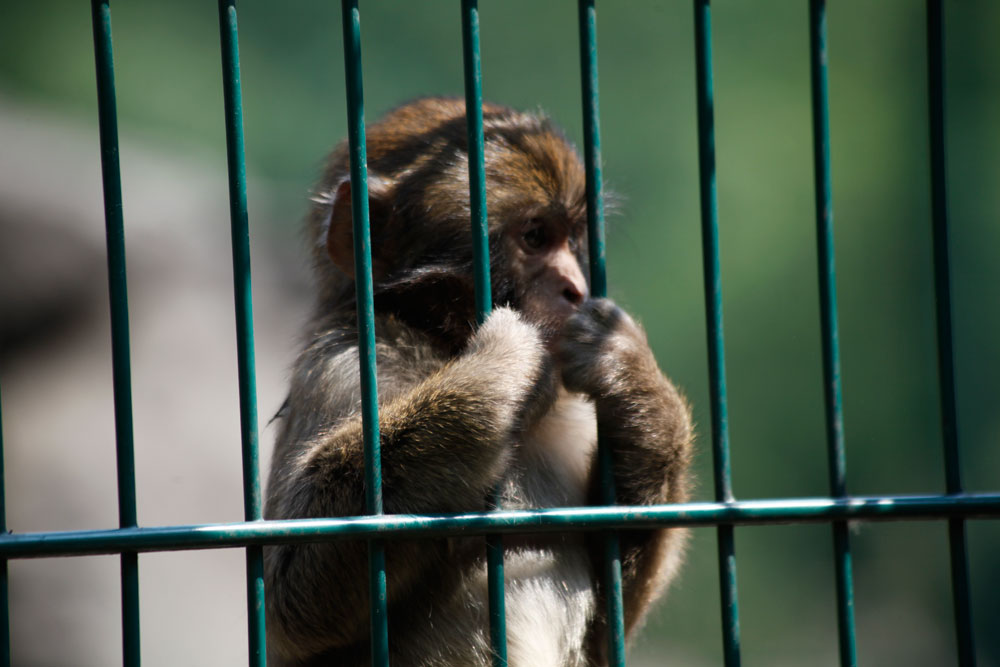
640,414
599,346
447,442
517,350
445,439
646,424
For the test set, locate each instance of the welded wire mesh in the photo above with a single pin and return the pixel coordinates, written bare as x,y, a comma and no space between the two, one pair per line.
953,507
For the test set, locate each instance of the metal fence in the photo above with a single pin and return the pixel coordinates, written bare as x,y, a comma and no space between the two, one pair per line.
953,508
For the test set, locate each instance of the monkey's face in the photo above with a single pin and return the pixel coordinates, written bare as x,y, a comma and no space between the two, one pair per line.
549,283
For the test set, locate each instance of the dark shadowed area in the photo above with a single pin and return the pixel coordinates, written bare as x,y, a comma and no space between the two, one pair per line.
55,351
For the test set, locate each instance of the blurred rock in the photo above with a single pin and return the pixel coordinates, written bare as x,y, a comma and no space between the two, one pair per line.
55,371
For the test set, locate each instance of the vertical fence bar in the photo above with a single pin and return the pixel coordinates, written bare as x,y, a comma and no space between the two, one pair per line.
592,147
477,166
713,316
837,463
4,609
111,177
484,299
946,362
239,221
351,22
599,288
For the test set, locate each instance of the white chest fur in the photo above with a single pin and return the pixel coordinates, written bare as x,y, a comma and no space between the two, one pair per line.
555,456
550,602
549,587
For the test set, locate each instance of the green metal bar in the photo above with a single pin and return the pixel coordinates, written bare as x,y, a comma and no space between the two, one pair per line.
477,164
564,519
592,148
229,40
4,593
837,462
111,177
946,363
713,316
615,609
351,23
484,297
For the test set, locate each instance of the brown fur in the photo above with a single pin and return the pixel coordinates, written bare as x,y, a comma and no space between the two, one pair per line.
511,405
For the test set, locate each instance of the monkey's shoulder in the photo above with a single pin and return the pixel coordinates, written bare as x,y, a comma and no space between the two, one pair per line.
325,383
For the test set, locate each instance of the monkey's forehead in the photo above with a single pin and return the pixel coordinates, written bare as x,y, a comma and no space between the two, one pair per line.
434,129
418,155
432,115
529,181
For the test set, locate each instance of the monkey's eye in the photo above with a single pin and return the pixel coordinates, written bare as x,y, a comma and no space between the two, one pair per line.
534,236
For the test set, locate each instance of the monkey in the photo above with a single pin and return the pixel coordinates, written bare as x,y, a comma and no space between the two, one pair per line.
514,406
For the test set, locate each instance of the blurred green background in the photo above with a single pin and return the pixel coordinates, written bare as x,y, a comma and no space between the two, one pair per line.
170,94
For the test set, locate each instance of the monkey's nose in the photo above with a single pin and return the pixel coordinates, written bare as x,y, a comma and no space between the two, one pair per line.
570,283
573,294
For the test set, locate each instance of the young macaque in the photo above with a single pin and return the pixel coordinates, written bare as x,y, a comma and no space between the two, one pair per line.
515,404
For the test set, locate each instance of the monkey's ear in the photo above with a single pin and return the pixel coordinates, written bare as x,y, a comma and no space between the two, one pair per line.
340,231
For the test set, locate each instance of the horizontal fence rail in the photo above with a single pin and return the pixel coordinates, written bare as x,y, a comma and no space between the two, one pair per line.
735,513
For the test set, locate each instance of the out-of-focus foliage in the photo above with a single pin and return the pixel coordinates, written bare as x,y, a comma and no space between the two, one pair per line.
169,91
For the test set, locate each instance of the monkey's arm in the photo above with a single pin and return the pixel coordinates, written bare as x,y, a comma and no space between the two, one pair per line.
646,423
445,442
